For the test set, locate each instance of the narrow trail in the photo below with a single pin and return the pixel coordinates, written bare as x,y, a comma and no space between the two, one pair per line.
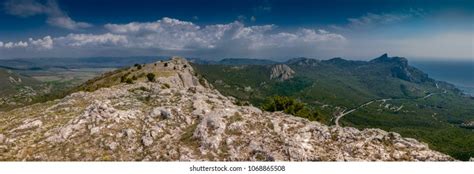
339,115
343,113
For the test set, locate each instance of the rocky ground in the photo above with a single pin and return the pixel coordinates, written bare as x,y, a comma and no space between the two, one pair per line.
179,117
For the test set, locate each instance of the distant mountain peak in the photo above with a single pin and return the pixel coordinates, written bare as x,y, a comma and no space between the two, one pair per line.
302,61
382,58
246,61
337,58
385,59
400,69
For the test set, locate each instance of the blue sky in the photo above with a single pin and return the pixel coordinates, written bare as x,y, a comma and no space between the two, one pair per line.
436,29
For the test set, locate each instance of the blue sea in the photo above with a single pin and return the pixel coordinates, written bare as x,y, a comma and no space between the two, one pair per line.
459,73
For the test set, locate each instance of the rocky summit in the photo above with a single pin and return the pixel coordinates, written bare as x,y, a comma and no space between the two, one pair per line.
175,115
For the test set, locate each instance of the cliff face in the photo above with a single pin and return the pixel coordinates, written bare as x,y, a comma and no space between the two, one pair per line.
178,116
400,69
281,72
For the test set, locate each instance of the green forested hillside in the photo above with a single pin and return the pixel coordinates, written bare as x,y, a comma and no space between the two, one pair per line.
398,97
18,90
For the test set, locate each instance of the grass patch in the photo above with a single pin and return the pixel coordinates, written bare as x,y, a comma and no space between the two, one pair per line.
187,136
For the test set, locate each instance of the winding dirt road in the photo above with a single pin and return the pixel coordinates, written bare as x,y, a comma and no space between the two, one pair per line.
339,115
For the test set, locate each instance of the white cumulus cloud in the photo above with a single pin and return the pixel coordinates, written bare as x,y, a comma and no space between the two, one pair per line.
173,34
40,44
45,43
9,45
88,40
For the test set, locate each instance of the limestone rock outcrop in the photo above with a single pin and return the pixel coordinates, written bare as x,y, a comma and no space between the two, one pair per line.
281,72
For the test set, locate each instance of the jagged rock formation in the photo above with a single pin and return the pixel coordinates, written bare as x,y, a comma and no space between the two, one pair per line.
179,117
281,72
401,69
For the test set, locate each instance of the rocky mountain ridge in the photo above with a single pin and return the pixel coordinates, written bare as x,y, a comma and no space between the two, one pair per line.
179,116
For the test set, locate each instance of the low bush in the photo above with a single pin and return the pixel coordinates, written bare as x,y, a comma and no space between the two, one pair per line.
150,77
290,106
138,66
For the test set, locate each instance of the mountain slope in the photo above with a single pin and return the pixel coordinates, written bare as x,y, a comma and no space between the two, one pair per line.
16,89
385,92
177,116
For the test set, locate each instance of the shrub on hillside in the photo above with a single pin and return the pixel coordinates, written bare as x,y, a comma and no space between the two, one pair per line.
150,77
138,66
123,79
129,81
290,106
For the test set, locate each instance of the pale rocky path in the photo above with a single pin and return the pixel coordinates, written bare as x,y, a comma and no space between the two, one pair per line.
339,115
179,117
